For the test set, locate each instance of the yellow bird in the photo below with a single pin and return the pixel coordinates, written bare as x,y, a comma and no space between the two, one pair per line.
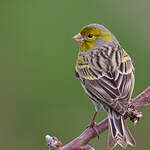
106,73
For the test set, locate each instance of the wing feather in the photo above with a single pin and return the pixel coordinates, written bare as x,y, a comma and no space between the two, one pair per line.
108,80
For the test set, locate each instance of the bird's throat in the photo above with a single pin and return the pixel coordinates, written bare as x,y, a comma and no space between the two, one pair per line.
86,46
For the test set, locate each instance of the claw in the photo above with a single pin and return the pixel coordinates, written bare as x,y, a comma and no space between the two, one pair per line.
93,126
135,121
133,114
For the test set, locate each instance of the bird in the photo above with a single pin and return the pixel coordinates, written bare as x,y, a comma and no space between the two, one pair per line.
107,75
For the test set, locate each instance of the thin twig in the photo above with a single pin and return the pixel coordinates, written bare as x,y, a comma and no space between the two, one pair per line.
78,143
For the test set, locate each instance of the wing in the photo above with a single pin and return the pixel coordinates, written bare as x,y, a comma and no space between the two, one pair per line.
108,77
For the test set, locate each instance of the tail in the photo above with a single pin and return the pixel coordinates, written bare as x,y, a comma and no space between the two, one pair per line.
118,131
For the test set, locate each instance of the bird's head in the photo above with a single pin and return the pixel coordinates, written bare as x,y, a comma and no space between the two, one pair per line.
92,36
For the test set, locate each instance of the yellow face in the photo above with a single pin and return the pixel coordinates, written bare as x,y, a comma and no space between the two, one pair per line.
90,37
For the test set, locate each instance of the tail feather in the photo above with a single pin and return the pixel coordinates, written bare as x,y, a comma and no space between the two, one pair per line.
130,138
118,131
111,141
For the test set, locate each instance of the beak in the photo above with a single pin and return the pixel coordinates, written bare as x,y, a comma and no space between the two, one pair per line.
78,38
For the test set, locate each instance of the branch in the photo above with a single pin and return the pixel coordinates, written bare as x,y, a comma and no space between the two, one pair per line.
81,142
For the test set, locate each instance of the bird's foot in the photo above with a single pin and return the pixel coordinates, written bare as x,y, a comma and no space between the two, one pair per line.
133,114
93,125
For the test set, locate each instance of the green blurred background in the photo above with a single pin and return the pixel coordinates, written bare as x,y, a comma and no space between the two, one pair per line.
39,93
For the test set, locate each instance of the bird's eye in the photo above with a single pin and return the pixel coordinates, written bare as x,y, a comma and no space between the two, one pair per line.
90,36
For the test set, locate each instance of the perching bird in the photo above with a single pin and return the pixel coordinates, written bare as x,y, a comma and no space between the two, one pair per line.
106,73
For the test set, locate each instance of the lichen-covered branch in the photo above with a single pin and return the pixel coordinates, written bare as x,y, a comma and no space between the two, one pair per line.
80,143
